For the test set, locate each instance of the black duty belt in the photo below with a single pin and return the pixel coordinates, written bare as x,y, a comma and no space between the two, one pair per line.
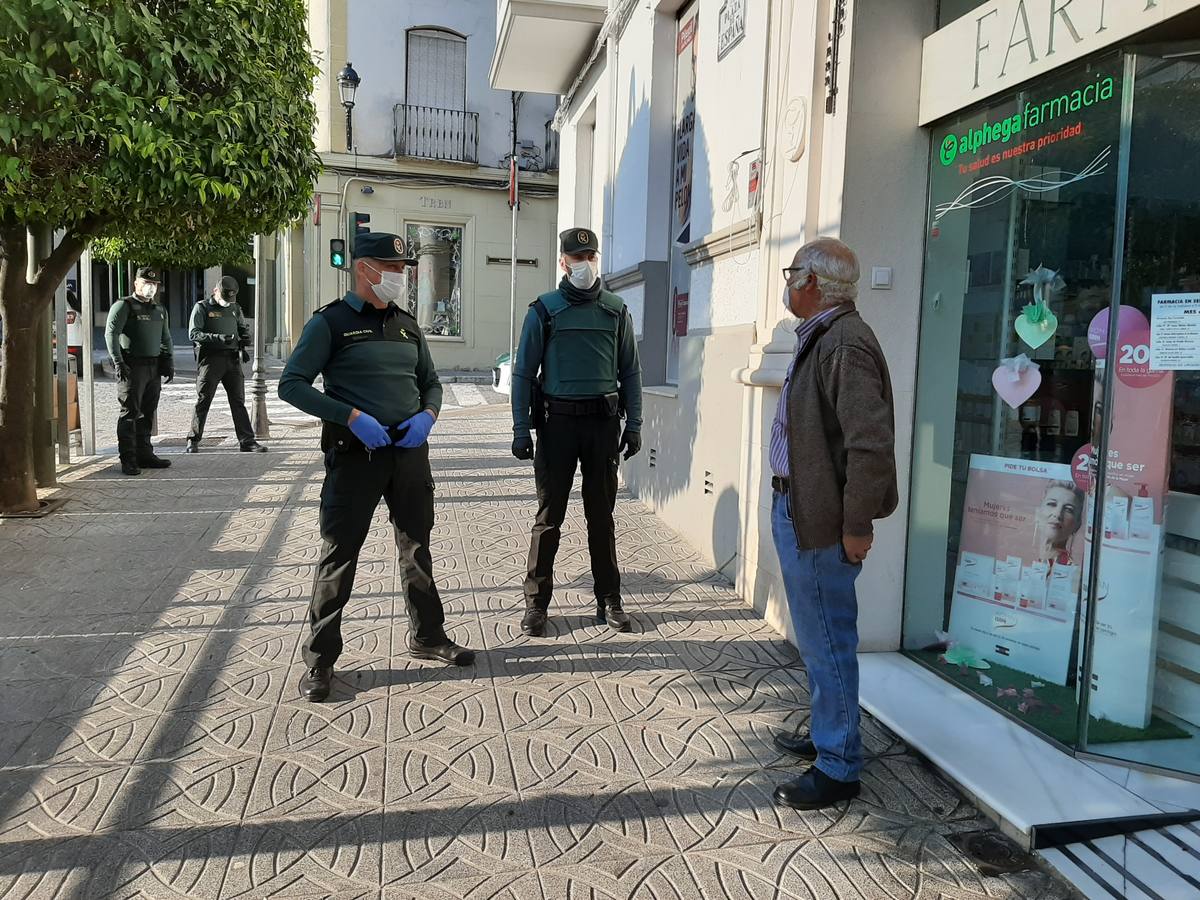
340,437
141,360
780,485
591,406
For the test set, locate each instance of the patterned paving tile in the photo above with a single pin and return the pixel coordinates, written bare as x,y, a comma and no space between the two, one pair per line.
156,746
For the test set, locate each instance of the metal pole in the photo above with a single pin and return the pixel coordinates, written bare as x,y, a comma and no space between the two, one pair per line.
349,127
87,401
258,390
41,243
62,382
514,174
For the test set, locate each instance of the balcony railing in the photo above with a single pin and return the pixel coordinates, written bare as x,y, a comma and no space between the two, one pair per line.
427,132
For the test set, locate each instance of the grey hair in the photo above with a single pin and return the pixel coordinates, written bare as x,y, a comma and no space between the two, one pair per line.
835,267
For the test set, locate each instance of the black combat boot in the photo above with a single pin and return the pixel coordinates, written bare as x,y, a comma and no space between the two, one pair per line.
315,684
130,467
534,622
610,610
150,461
448,652
193,446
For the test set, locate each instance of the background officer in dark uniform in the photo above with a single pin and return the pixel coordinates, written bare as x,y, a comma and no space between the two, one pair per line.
581,338
221,335
382,397
139,341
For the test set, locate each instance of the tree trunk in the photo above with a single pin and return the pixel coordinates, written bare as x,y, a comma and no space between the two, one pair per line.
20,307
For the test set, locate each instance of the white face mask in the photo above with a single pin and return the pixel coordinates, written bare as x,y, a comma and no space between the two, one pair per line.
221,301
148,291
391,287
787,299
583,274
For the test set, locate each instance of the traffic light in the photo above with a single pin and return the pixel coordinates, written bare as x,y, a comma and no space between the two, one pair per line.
362,223
337,253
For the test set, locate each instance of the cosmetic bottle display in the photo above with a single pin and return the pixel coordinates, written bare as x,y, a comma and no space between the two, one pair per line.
1141,515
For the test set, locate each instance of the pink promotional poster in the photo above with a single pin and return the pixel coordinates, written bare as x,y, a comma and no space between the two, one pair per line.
1131,525
1016,587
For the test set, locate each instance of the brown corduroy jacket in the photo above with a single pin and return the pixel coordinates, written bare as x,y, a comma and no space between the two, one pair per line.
841,434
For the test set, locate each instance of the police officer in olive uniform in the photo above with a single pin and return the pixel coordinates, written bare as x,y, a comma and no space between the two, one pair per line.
581,340
139,342
221,335
382,397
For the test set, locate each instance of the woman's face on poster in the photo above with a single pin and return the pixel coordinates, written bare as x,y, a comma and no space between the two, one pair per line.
1058,516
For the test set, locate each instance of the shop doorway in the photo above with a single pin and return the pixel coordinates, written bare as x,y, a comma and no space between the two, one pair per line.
1054,558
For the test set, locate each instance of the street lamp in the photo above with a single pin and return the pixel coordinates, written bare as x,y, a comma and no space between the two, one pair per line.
348,82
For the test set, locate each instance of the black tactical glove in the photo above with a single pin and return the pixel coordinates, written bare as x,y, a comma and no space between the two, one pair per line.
123,371
245,355
229,341
522,447
166,369
631,443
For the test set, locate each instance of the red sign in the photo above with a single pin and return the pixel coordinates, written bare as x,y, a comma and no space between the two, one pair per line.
681,315
687,33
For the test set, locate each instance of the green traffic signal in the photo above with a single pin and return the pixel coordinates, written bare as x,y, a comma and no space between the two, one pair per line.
337,253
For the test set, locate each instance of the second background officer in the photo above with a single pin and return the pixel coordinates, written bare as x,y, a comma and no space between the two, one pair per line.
382,397
220,333
581,340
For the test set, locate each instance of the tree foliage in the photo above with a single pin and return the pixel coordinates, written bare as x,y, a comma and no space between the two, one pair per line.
198,252
149,122
155,118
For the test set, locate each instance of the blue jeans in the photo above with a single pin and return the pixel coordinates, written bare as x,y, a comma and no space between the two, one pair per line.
820,593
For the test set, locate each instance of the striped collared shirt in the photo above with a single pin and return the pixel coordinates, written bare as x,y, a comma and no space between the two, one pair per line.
779,441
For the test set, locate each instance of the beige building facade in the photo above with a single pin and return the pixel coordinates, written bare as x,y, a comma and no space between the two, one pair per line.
429,161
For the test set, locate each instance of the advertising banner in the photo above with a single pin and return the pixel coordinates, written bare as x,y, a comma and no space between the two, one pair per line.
1130,526
1016,587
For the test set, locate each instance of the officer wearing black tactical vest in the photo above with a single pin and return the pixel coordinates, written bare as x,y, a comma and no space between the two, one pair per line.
139,342
221,335
382,397
581,339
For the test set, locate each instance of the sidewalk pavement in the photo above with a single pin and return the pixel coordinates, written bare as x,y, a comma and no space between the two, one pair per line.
153,744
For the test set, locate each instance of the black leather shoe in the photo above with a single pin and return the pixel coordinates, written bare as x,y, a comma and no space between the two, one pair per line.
153,462
617,618
533,623
253,447
797,745
314,686
192,447
448,652
814,790
129,467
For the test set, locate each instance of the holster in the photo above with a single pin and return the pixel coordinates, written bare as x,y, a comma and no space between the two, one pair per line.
338,437
537,405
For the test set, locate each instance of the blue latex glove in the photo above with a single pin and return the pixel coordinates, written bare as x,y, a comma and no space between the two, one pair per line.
418,427
368,430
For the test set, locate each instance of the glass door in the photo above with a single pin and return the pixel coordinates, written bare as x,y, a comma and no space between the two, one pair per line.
1021,229
1143,668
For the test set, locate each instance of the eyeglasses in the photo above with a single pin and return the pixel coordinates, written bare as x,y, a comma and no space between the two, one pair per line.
787,273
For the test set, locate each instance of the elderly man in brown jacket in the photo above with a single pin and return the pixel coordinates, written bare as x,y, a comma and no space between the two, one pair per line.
834,472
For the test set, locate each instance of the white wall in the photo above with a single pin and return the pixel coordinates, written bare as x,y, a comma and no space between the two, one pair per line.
630,138
886,166
377,48
729,109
